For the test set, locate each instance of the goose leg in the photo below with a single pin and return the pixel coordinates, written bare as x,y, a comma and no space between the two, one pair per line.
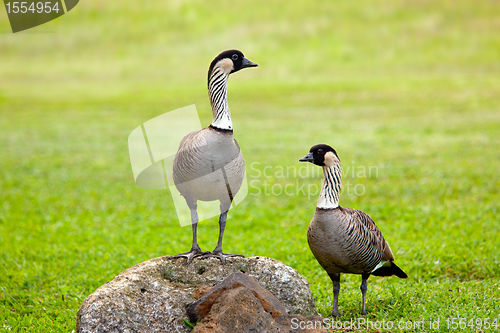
217,252
364,288
336,291
195,248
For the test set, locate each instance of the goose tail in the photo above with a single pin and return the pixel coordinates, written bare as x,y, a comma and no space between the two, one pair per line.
389,269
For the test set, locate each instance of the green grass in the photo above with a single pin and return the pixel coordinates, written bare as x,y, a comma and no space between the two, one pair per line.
411,89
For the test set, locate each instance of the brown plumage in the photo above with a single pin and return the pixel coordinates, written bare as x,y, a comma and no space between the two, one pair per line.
345,240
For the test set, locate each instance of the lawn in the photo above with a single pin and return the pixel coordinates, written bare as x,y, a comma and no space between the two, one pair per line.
407,92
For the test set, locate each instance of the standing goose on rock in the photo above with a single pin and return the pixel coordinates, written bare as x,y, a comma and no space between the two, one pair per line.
208,165
345,240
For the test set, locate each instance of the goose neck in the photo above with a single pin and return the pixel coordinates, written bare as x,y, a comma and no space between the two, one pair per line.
330,190
217,92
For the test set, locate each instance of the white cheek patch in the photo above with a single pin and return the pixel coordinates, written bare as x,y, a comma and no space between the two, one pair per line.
329,159
226,65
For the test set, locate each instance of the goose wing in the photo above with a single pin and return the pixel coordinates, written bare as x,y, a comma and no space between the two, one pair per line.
371,232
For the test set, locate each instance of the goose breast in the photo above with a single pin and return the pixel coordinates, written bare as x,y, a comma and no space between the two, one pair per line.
206,163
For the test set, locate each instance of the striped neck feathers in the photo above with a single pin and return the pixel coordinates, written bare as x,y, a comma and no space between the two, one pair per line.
217,92
332,175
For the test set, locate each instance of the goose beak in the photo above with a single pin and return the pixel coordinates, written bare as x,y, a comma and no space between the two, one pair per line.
248,63
308,158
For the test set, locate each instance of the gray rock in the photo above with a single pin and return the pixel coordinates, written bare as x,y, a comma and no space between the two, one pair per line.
153,296
270,304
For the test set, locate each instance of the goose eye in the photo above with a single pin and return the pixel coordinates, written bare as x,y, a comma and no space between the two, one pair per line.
234,57
320,150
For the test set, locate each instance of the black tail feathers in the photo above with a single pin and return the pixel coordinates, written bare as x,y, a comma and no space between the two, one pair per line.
393,269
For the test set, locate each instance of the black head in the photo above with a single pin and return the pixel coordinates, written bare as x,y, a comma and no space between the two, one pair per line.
238,61
317,154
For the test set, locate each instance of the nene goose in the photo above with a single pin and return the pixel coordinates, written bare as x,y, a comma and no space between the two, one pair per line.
345,240
208,165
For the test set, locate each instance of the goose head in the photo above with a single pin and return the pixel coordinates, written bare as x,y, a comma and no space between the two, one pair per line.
230,61
322,155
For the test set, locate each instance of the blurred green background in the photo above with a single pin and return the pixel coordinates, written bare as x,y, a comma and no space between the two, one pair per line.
409,87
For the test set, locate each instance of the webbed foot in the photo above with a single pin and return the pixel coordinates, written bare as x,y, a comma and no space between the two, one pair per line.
221,256
190,255
336,314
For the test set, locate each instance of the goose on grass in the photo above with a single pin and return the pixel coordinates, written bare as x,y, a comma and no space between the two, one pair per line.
345,240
